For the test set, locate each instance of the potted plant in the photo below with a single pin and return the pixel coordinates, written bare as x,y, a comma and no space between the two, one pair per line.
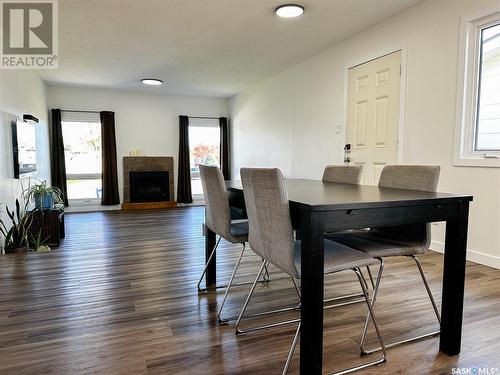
3,233
43,196
38,243
17,237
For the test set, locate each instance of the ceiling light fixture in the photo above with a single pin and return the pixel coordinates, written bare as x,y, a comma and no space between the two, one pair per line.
152,82
289,10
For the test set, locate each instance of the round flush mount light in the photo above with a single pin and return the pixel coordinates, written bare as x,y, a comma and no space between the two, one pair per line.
152,81
289,10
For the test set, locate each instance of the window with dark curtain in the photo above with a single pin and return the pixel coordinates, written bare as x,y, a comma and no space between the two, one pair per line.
184,179
110,195
224,148
57,161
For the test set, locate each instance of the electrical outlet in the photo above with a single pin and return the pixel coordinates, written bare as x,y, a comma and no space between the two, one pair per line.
338,129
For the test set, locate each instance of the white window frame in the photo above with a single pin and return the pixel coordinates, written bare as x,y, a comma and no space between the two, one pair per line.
467,93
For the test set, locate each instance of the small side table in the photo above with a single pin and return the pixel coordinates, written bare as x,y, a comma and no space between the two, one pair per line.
51,224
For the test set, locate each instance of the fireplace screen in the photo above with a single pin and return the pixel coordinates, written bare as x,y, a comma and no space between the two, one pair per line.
149,187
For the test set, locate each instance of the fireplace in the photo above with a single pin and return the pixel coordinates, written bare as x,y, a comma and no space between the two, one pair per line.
149,186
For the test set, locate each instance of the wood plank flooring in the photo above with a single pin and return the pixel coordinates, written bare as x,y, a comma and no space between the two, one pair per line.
119,297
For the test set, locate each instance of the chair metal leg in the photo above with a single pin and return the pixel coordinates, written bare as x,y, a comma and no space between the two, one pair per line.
373,299
277,324
381,360
206,266
219,313
371,277
427,288
412,339
292,349
371,313
292,308
297,289
267,277
252,289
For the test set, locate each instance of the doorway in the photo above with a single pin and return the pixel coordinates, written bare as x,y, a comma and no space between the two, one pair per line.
373,108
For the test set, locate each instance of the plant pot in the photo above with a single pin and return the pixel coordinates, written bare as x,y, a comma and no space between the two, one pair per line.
42,249
44,201
11,250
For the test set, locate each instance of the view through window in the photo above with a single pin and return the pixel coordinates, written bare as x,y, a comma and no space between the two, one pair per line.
82,151
488,112
204,148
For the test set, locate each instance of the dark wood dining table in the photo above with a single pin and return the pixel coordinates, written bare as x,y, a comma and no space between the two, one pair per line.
317,208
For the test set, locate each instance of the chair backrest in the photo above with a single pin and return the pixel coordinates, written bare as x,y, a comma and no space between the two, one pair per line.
342,174
270,226
217,212
410,177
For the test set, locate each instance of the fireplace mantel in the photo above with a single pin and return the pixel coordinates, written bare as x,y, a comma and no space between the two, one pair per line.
147,164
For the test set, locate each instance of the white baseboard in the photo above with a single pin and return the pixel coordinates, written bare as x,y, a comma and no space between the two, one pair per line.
472,255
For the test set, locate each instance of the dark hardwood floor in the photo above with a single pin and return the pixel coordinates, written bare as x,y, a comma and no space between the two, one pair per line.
119,297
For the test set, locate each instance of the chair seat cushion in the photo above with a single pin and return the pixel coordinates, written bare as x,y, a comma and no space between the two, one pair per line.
376,245
338,257
239,232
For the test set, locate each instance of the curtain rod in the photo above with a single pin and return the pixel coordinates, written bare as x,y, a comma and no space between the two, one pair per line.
71,110
203,117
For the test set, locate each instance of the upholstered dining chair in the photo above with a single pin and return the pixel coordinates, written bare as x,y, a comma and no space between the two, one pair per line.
218,219
406,240
342,174
345,174
271,236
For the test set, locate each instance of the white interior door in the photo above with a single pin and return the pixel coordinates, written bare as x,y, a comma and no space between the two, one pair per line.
373,114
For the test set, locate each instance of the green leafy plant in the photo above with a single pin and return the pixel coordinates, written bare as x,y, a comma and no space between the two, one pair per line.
3,228
37,242
18,235
43,196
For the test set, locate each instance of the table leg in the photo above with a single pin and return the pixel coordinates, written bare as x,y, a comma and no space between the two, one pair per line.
211,275
454,281
311,312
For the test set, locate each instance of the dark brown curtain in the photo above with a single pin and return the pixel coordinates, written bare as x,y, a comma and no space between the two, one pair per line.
110,195
184,180
57,162
224,148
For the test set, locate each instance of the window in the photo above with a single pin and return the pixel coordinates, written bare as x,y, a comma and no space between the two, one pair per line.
204,148
83,156
478,120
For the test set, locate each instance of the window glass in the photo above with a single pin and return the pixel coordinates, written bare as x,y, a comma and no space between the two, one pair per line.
204,148
83,157
488,109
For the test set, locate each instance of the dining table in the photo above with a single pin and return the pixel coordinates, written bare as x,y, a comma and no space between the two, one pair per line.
317,208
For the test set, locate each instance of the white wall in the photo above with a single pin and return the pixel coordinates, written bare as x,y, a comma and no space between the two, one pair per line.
21,91
144,121
289,120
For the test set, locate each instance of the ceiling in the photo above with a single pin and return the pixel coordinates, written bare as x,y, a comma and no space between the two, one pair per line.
199,47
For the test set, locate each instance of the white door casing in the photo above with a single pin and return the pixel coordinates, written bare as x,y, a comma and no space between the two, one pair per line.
373,106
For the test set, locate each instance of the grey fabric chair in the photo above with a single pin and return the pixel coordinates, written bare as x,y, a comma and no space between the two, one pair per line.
405,240
218,219
342,174
271,236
